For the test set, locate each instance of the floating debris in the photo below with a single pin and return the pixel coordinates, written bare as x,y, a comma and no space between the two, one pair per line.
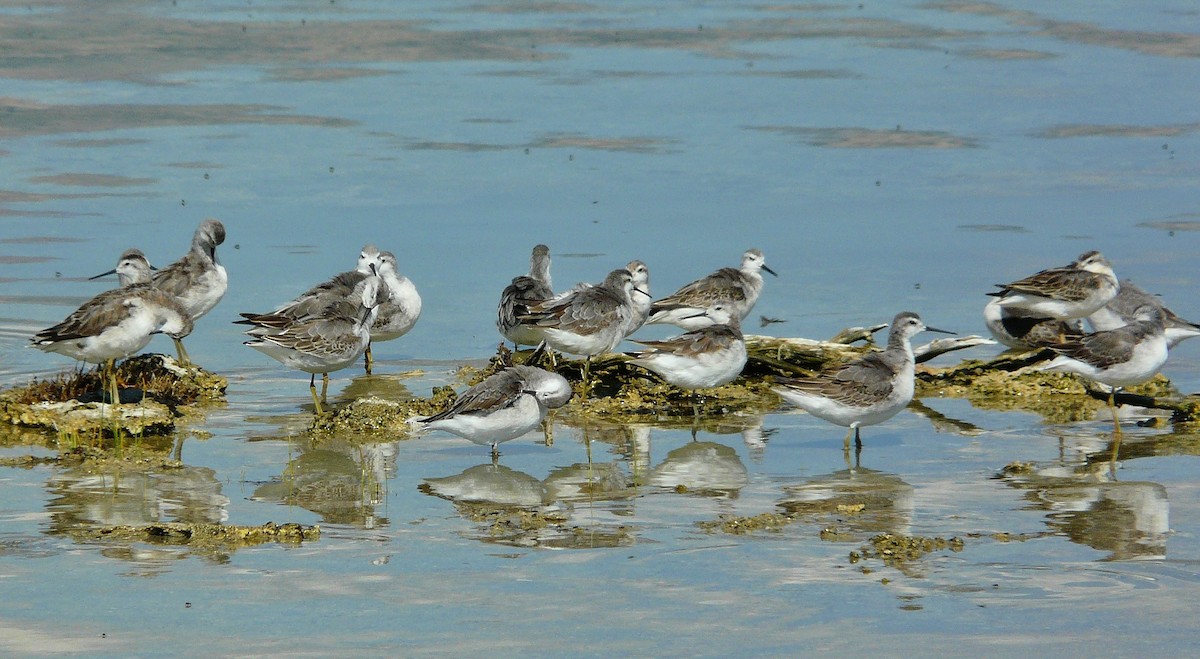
203,535
895,550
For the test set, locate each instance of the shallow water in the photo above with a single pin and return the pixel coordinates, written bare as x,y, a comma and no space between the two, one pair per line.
901,156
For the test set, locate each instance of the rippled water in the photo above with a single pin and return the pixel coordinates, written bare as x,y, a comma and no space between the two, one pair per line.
899,156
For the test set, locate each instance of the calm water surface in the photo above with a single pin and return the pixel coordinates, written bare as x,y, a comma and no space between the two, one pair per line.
884,156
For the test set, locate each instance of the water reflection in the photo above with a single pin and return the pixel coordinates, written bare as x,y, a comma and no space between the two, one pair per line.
490,483
514,508
82,497
1126,519
866,501
706,468
343,482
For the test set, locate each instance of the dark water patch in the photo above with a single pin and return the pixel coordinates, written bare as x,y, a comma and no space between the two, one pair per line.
868,138
807,74
1008,54
1162,44
487,120
24,118
40,240
993,228
82,179
1181,222
626,144
467,147
195,164
100,143
531,8
13,260
322,74
9,212
1116,130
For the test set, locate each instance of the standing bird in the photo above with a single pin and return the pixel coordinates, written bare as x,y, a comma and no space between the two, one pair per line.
589,320
868,390
736,288
640,295
1073,291
1120,310
1119,357
114,325
517,297
198,281
322,342
400,309
132,268
315,300
504,406
700,359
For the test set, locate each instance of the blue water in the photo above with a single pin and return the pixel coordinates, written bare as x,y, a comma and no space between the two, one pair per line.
899,156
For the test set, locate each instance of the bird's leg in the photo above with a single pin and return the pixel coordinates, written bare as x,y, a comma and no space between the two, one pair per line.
846,441
1112,405
367,361
695,412
324,387
857,441
110,370
312,387
495,455
184,360
587,370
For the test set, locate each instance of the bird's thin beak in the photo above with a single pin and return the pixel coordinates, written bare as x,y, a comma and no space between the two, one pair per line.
702,314
769,270
103,274
934,329
641,291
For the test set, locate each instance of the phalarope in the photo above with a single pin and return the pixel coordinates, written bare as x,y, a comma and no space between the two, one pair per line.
321,342
518,296
198,280
502,407
1074,291
736,288
868,390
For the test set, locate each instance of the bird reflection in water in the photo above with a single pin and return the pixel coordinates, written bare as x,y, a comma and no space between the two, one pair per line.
343,482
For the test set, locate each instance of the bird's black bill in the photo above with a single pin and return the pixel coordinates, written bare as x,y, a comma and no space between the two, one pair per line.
942,331
769,270
103,274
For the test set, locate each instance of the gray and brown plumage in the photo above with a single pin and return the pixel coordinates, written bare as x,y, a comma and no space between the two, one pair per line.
700,359
504,406
867,390
132,268
114,325
1121,309
198,281
1065,293
1119,357
323,342
518,296
735,288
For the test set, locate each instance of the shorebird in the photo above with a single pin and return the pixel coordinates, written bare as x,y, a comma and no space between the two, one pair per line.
198,281
504,406
589,320
320,343
315,300
868,390
1015,328
640,295
399,311
700,359
1073,291
1118,358
132,268
517,297
736,288
114,325
1120,310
